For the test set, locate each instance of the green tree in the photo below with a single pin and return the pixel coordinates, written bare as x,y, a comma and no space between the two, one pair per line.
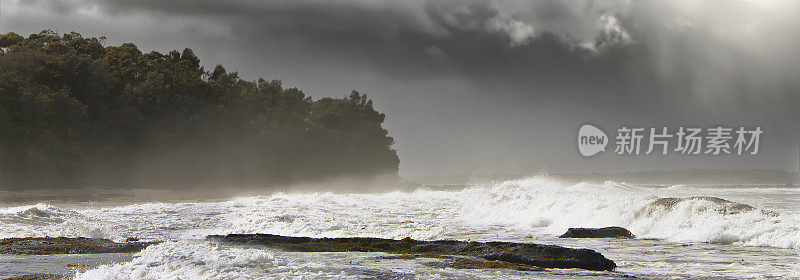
75,112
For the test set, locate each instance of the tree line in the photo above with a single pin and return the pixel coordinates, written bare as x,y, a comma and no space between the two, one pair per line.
75,112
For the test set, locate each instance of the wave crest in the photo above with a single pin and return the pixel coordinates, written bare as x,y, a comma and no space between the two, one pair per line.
546,206
47,220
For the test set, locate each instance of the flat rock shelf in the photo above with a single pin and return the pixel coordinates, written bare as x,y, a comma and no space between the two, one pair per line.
67,245
479,254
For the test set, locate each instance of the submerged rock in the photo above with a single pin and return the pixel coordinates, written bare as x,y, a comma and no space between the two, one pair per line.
534,255
606,232
66,245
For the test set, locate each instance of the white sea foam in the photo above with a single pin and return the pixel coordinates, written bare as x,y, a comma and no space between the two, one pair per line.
534,205
509,210
195,259
551,208
187,260
47,220
527,206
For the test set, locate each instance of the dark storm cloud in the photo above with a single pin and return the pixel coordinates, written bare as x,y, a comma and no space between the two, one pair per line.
474,36
579,40
584,48
641,62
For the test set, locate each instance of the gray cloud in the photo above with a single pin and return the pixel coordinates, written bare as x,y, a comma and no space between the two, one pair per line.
496,68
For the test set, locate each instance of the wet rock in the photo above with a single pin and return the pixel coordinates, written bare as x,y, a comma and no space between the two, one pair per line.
475,263
65,245
527,254
39,277
463,262
606,232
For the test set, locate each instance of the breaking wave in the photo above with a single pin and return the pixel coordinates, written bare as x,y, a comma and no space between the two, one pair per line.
187,260
47,220
517,208
510,209
549,207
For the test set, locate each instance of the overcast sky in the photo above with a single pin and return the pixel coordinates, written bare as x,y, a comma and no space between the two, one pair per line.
483,87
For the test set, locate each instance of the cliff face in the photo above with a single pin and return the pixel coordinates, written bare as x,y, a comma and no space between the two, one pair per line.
76,112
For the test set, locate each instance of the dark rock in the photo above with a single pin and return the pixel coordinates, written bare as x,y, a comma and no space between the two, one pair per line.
527,254
477,263
65,245
606,232
464,262
39,277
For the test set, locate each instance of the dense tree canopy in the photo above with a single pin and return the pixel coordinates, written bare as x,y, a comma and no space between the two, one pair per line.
75,112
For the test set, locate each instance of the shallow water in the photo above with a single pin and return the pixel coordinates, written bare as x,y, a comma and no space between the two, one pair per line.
694,238
17,265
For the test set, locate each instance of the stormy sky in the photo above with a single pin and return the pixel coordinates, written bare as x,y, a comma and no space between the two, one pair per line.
486,87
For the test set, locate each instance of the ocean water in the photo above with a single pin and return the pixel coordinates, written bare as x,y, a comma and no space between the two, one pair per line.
696,235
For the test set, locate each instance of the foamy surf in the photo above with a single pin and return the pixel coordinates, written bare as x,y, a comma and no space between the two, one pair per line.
533,205
682,224
545,206
186,260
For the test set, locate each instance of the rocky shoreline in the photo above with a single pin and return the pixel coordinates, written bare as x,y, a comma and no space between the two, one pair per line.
40,277
67,245
470,254
40,246
459,254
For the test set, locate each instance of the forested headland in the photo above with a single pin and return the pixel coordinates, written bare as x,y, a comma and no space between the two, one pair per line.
74,112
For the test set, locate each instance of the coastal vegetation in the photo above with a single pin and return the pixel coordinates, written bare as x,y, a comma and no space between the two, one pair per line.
74,111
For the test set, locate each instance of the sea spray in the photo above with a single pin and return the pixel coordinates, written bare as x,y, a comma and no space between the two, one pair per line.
532,206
